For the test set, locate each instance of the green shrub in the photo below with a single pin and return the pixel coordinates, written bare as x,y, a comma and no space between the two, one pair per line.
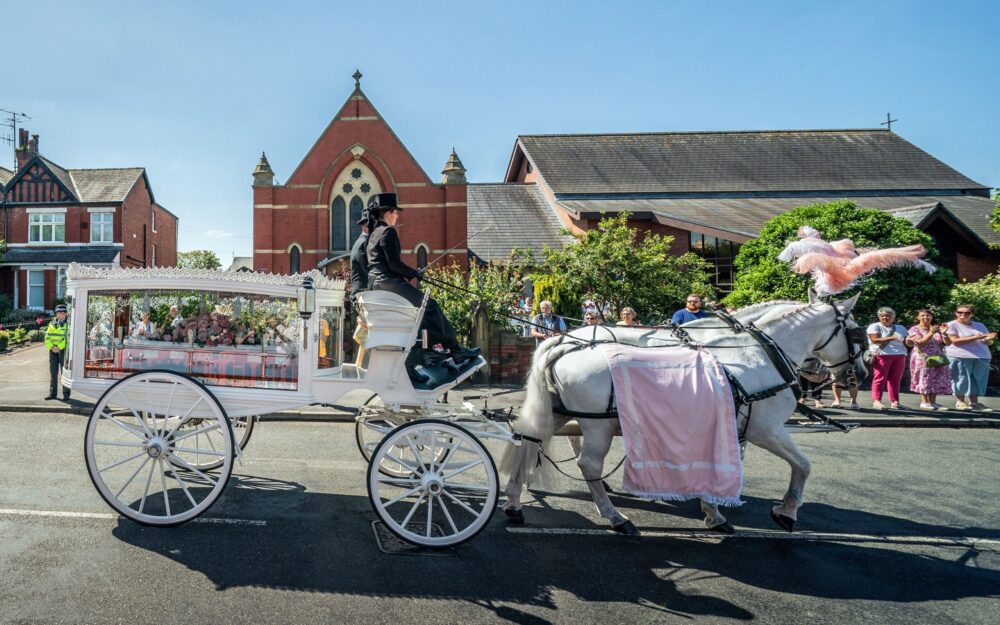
761,276
3,340
6,306
36,336
495,287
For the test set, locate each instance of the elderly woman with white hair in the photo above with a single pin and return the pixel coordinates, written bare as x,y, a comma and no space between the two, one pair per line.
886,339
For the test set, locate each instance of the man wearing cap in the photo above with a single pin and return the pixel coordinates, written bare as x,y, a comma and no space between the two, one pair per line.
359,257
388,272
55,344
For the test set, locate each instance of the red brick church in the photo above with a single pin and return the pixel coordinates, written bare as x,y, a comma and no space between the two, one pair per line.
310,220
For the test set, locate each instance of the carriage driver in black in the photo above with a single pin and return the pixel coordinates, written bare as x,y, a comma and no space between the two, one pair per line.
387,272
359,257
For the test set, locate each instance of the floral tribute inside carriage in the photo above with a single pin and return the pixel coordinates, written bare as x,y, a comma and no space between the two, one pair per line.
181,362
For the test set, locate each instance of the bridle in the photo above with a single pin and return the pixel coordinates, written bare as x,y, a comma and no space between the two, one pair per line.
855,338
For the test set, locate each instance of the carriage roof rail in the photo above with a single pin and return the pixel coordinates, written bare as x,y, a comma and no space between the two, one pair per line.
85,272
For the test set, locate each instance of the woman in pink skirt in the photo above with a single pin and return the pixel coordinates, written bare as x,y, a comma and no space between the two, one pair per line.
928,339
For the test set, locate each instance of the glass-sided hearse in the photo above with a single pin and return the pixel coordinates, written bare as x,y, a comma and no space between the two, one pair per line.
177,358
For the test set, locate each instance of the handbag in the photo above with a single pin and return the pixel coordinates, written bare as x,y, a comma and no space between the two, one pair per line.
934,361
869,356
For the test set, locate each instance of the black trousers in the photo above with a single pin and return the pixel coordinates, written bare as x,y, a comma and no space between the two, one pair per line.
439,329
55,364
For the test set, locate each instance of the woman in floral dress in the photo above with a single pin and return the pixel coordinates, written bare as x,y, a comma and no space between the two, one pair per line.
927,339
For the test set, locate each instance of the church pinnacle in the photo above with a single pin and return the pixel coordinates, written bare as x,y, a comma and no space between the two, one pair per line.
263,175
357,79
454,171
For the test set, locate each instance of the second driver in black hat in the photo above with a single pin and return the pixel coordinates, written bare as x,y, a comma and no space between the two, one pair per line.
388,272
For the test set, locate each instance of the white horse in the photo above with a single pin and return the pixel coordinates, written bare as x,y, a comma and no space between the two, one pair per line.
584,386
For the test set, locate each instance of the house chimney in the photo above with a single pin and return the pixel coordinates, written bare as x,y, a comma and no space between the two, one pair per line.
25,148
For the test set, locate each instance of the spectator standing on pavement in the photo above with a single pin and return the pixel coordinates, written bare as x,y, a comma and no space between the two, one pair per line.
691,311
969,352
525,307
840,382
627,317
929,376
546,323
55,344
886,340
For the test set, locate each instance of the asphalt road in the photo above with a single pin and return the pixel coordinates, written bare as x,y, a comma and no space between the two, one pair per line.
913,513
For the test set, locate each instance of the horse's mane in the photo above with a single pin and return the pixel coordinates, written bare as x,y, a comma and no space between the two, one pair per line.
786,309
753,309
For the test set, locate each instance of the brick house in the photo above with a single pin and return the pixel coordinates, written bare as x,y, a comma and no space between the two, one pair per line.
52,216
713,191
309,221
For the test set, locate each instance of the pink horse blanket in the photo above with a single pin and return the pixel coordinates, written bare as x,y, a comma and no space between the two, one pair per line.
678,423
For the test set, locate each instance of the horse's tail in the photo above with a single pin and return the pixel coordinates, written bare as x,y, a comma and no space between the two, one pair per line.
524,463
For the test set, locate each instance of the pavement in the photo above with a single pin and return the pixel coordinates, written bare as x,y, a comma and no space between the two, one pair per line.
24,384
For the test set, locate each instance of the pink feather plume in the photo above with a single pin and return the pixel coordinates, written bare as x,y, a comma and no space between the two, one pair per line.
837,266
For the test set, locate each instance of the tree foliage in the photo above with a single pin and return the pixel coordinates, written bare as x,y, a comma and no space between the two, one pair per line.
495,288
762,277
617,265
198,259
995,215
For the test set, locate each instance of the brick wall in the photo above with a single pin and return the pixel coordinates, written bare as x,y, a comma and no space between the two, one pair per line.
972,268
165,237
509,356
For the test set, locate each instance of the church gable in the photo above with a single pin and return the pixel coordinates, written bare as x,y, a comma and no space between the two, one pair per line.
40,181
358,125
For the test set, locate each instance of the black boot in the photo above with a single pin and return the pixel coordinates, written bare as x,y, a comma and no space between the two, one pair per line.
464,354
65,396
51,395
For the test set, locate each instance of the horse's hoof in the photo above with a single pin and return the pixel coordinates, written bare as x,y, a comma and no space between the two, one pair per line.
606,486
784,522
515,517
724,528
627,528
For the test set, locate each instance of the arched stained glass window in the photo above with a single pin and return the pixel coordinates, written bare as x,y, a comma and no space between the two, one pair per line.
351,190
357,206
338,225
293,259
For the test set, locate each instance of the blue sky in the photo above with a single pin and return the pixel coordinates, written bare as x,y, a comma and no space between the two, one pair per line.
193,91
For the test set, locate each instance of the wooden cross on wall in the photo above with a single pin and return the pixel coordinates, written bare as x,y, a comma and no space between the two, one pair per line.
888,121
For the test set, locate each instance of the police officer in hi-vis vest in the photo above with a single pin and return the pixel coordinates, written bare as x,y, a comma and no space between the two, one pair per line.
55,344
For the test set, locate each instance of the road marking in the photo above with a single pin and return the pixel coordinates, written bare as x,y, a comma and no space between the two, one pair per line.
949,541
14,363
113,517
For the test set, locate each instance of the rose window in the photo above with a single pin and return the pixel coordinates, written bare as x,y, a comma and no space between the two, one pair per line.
365,187
355,173
348,187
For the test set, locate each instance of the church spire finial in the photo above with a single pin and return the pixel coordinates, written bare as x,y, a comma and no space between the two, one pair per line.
454,171
263,175
357,78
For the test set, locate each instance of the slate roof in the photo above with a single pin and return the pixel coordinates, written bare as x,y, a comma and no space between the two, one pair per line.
5,175
61,174
746,216
519,216
83,254
105,185
737,162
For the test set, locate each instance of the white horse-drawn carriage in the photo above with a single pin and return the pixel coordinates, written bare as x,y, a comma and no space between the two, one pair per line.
181,362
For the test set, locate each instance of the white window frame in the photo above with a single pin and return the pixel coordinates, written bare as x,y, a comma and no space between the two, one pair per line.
30,304
108,228
61,282
152,210
46,220
154,255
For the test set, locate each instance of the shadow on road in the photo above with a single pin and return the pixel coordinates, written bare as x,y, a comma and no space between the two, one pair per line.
319,542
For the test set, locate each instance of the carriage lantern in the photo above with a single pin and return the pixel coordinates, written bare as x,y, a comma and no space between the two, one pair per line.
307,306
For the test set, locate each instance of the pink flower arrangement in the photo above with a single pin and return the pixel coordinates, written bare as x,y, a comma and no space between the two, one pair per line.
212,330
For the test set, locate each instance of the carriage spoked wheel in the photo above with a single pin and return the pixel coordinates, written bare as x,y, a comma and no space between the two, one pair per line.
138,443
242,430
451,488
373,423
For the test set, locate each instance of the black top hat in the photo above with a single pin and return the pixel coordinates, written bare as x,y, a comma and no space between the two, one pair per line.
364,218
382,202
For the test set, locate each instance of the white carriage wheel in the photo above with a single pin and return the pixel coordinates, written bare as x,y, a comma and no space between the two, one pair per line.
446,499
372,424
133,440
242,430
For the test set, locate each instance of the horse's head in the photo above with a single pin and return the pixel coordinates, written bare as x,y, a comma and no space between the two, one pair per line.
841,349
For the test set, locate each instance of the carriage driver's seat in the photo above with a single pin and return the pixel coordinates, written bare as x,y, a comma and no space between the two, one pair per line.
392,321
